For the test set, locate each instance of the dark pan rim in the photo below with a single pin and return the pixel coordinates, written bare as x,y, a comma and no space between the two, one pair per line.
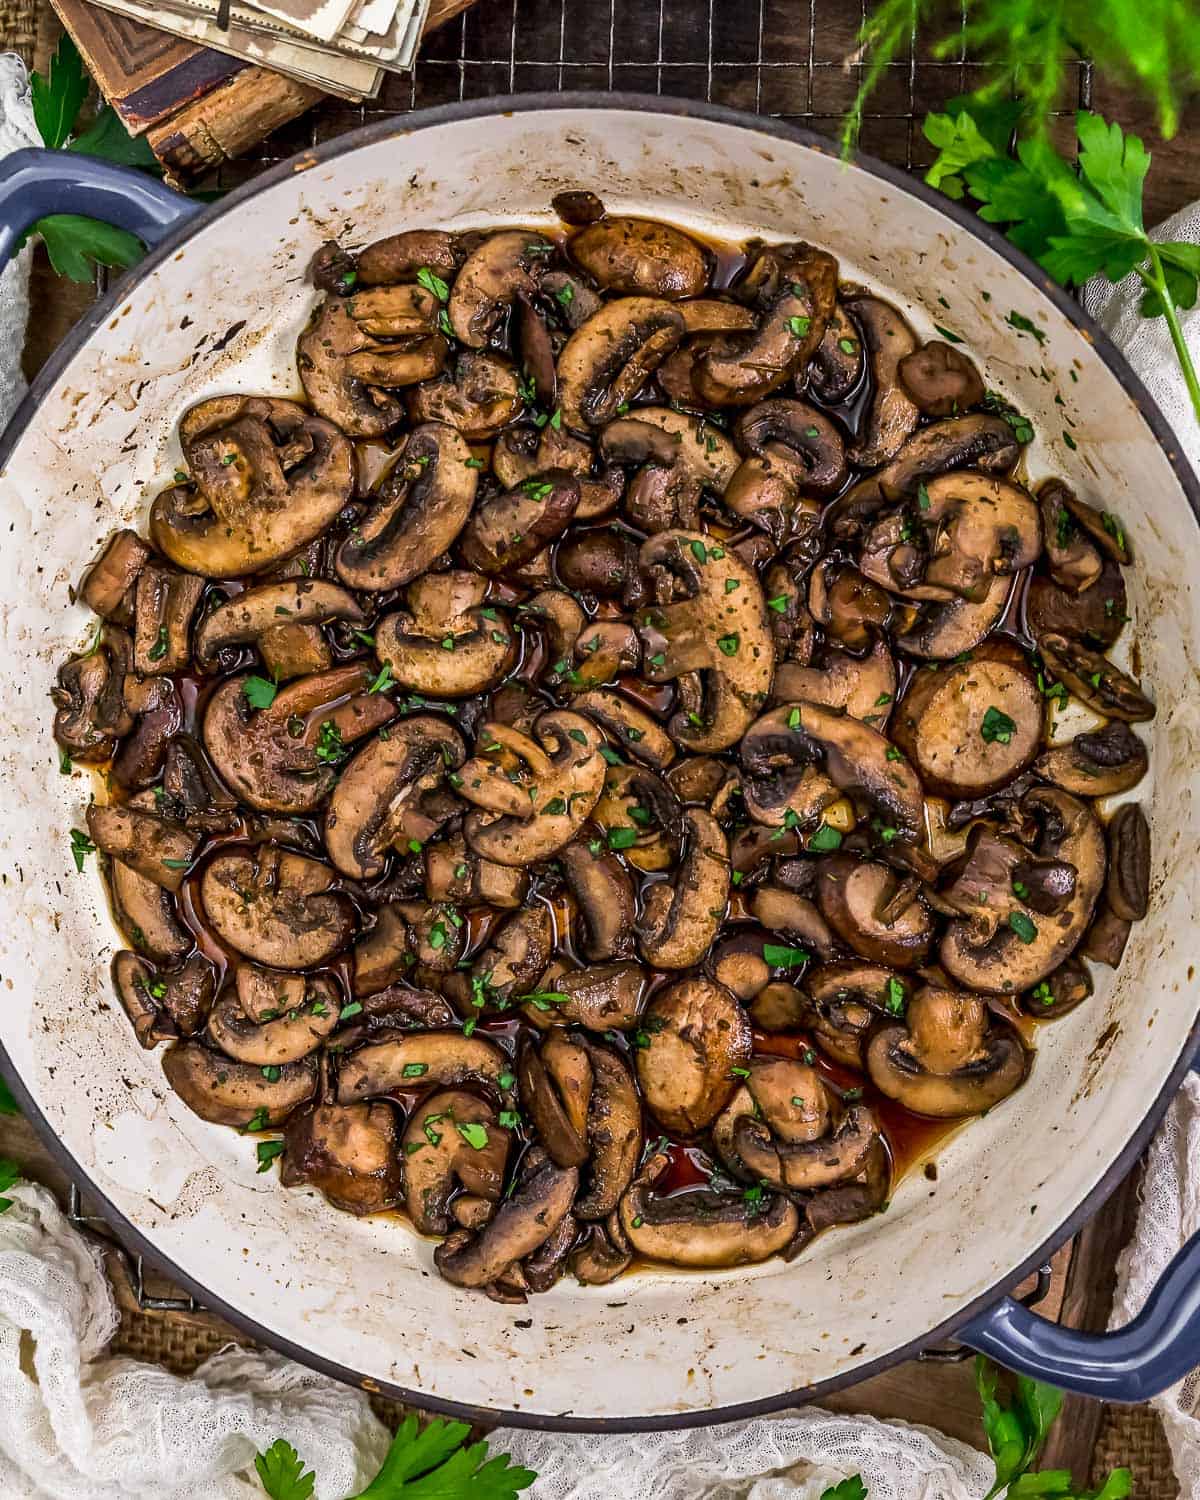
968,223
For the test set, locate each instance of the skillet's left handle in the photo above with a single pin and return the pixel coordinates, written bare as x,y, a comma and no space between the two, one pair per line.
35,183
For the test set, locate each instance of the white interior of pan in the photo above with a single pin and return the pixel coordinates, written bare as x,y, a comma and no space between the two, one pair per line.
363,1294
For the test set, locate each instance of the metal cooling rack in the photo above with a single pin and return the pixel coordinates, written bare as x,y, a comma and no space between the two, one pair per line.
783,58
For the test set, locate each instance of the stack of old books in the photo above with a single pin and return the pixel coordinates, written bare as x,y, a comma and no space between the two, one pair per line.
204,80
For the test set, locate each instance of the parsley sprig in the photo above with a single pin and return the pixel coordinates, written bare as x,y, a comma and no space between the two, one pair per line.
1075,225
423,1463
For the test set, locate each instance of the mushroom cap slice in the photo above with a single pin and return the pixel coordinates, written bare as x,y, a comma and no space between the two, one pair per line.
1029,946
947,1058
807,1166
873,911
272,757
504,265
146,911
944,631
131,979
378,802
940,380
844,999
603,891
698,1032
445,1058
276,907
1127,889
421,507
515,828
703,1230
106,587
686,636
270,477
641,257
349,1152
1095,680
511,529
602,997
614,1132
681,918
234,1093
399,257
608,359
284,1038
863,687
269,607
974,725
630,726
439,1156
1095,615
556,1085
892,417
158,850
450,643
88,695
683,454
353,400
483,397
522,1223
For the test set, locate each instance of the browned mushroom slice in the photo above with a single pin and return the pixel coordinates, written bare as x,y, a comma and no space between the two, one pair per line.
139,758
604,651
795,917
164,602
556,1086
891,417
1102,527
863,687
450,643
803,441
837,364
512,528
843,1000
421,507
522,1223
347,371
454,874
853,610
510,962
383,954
614,1132
608,359
107,585
629,725
146,912
234,1093
641,257
944,631
283,758
445,1058
596,1261
1094,680
283,1038
640,814
1016,955
683,456
452,1140
874,911
697,1034
603,891
1073,559
713,629
266,477
276,907
141,995
1096,616
89,697
940,380
258,616
524,453
400,257
947,1058
160,851
481,397
778,1006
388,795
349,1152
795,298
703,1230
559,775
974,725
1104,941
602,997
1068,986
1127,890
681,918
505,264
807,1166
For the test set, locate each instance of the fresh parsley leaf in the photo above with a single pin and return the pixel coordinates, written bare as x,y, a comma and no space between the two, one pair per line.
58,98
825,840
431,1463
10,1175
847,1489
432,282
8,1105
997,727
779,956
267,1151
282,1472
258,691
108,139
76,245
81,847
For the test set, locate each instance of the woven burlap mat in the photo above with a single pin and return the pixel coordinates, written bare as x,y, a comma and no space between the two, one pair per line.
18,27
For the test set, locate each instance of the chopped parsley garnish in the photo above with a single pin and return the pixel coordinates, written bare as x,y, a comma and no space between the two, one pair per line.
997,727
267,1151
81,847
779,956
1022,926
432,282
825,840
159,648
258,692
330,749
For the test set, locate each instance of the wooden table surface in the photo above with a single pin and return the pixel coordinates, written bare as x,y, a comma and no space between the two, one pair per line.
940,1395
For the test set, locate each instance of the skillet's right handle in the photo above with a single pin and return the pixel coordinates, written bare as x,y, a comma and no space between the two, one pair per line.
35,183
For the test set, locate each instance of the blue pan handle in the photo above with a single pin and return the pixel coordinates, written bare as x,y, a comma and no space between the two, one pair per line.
35,183
1153,1351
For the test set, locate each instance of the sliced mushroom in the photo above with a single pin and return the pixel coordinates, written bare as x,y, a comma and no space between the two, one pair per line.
940,380
1024,950
514,956
892,417
452,1140
683,456
842,1002
107,585
863,687
608,359
453,873
639,812
556,1087
1102,527
698,1034
604,894
837,365
602,997
852,608
1068,986
349,1152
400,257
146,911
596,1261
266,477
383,954
1127,889
1099,763
680,919
522,1223
703,1230
630,726
284,1037
283,758
141,994
1104,941
948,1058
481,397
641,257
807,1166
511,529
803,441
386,796
259,616
1095,681
980,441
974,725
1073,559
89,698
791,915
560,764
614,1132
505,265
1095,615
418,1060
276,907
234,1093
874,911
158,850
422,506
165,601
714,630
